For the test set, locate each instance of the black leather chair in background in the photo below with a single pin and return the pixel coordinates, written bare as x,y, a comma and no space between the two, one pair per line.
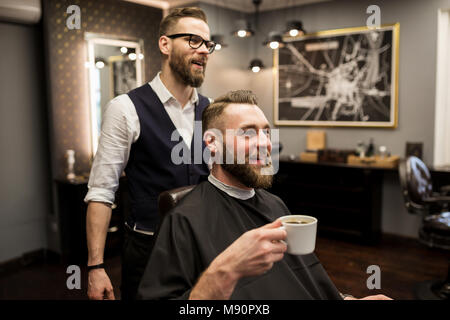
420,198
169,199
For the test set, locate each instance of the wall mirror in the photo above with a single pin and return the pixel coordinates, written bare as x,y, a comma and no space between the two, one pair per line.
115,67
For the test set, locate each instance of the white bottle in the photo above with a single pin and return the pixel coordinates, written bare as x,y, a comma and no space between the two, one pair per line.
70,164
383,151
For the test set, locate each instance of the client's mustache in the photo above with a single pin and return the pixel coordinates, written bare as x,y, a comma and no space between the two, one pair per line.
252,159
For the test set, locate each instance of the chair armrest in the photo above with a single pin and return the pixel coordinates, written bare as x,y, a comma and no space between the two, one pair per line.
440,200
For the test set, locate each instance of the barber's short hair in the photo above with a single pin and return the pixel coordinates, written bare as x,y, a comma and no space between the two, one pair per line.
211,117
169,21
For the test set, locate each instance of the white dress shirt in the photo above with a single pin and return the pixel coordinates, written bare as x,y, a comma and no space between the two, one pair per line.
121,128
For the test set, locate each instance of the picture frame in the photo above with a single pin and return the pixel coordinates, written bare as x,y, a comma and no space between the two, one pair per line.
338,78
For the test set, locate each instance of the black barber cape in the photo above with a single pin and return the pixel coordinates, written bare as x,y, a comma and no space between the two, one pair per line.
203,225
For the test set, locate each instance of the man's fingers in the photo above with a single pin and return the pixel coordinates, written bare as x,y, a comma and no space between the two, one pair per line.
274,234
274,224
96,296
277,256
279,247
99,286
110,294
376,297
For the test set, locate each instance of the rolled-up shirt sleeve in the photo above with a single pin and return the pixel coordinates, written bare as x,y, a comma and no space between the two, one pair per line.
120,129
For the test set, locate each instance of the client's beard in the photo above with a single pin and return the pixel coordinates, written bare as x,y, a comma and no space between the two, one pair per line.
250,175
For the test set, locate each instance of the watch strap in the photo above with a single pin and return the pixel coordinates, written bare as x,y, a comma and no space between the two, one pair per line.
97,266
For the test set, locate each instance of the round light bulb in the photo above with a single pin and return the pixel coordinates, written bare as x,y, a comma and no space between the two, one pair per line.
256,69
218,46
132,56
141,56
288,84
124,49
274,45
293,32
241,33
99,64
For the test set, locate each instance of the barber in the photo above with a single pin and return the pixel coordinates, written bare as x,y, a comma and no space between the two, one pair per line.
136,137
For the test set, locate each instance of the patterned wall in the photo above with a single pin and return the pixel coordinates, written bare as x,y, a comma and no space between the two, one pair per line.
66,53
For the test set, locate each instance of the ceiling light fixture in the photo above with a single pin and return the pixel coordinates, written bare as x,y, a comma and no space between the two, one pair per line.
100,63
132,56
242,29
256,65
274,40
219,40
294,28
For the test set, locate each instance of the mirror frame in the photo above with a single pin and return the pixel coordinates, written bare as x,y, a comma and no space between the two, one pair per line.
110,40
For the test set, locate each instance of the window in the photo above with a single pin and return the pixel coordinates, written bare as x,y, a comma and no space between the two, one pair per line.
442,115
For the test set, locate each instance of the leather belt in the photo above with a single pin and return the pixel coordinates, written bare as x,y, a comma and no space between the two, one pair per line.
148,233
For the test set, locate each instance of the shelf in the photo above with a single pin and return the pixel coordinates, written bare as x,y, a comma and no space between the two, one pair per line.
327,187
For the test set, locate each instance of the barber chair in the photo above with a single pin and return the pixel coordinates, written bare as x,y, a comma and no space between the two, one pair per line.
169,199
417,187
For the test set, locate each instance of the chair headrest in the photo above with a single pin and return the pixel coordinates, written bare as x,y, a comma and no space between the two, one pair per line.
418,178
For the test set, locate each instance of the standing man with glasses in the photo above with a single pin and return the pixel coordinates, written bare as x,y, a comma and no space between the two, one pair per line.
136,137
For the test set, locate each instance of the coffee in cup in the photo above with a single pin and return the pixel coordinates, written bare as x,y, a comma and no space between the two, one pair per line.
301,233
296,222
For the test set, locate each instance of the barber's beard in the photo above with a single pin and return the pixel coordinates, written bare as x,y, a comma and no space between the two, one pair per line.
250,175
182,68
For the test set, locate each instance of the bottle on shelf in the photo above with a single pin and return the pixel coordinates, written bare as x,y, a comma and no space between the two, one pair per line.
70,164
360,149
370,149
383,152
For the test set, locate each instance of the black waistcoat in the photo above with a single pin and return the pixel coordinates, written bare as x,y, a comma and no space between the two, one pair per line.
150,168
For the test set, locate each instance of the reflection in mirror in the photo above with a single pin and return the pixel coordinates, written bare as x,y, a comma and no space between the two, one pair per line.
115,67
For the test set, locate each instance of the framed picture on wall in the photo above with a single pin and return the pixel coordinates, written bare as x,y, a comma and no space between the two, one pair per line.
344,77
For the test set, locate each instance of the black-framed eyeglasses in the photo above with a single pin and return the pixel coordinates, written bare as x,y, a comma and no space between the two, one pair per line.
195,41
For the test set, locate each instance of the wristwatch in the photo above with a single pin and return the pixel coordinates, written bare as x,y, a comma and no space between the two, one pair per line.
97,266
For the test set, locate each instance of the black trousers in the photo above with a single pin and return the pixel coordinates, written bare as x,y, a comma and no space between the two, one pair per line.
135,255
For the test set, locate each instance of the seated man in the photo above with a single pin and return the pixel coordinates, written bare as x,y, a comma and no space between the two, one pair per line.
222,241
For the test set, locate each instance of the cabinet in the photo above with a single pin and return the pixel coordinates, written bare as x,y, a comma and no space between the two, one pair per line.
72,220
346,199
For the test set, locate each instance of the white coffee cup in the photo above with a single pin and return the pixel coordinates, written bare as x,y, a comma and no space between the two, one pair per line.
301,236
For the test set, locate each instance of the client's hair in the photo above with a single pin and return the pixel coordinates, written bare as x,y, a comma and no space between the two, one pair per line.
212,113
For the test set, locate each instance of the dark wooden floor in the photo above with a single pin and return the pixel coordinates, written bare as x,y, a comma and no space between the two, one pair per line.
403,263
